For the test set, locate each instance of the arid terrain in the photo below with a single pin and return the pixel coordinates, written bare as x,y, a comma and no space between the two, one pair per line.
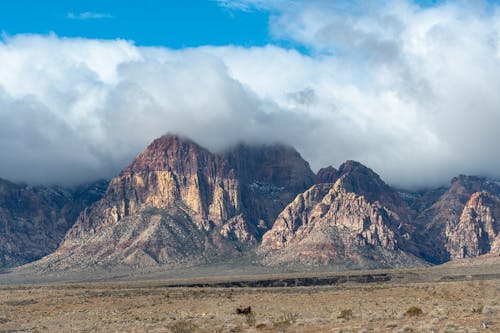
463,297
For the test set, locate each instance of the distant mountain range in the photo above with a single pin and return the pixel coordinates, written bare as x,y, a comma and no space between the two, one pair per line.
179,204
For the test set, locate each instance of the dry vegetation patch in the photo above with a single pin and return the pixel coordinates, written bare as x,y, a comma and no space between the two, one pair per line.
456,306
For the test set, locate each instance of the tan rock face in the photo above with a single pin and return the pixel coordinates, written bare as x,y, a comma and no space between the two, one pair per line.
357,219
34,220
477,230
179,202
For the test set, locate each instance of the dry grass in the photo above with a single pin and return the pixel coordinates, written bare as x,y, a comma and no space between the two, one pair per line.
117,307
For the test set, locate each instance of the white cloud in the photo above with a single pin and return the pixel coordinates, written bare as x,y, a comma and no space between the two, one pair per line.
88,16
412,92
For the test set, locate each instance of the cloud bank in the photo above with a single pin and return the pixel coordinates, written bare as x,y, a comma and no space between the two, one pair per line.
412,92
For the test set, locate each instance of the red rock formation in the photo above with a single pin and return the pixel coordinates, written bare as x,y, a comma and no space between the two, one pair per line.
178,202
357,220
478,229
445,213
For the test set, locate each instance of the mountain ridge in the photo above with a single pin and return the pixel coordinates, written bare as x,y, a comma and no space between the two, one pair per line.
178,204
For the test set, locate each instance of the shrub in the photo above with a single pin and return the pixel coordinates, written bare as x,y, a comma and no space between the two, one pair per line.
414,311
244,311
345,314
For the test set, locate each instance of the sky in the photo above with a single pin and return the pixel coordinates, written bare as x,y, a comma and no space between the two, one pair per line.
409,88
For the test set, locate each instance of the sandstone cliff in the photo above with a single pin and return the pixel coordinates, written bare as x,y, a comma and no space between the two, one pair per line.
477,232
358,221
433,221
179,203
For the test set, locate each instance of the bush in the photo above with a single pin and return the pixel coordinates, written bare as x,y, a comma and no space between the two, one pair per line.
414,311
345,314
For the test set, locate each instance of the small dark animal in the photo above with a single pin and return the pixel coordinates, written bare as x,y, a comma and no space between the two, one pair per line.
244,311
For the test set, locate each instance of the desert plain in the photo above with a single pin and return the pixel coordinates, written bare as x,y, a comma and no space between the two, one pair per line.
459,297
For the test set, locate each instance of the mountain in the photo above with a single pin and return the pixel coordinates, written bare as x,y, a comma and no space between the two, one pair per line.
436,224
34,220
478,229
356,221
178,203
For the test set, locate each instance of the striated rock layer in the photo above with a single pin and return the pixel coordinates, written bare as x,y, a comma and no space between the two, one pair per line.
357,221
436,224
477,232
177,202
34,220
180,204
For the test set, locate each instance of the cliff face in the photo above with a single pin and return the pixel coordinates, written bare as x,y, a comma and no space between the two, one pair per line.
34,220
477,230
177,202
435,222
357,221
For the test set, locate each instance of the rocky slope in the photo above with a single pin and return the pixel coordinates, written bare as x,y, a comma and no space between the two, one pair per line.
178,203
357,221
34,220
435,220
477,231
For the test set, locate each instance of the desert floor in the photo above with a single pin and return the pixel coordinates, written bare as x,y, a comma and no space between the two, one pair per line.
464,303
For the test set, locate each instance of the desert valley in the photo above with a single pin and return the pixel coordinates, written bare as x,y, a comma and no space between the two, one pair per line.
184,236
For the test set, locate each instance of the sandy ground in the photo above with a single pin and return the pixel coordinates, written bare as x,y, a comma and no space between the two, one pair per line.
453,306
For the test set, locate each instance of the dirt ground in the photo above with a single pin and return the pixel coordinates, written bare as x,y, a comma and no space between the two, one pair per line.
452,306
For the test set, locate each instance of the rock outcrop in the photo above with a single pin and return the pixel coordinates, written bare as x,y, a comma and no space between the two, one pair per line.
34,220
444,214
478,229
358,221
179,203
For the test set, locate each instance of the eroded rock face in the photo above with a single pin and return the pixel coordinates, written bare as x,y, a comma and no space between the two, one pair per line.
34,220
357,220
477,230
177,202
445,214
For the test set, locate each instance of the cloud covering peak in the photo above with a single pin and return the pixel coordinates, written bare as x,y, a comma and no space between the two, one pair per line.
410,91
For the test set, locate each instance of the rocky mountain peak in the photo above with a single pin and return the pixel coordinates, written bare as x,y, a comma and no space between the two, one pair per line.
360,177
356,178
482,198
477,231
177,201
274,164
170,152
350,221
327,175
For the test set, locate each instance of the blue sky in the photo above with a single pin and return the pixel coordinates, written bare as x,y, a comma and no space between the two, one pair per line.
174,24
373,81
